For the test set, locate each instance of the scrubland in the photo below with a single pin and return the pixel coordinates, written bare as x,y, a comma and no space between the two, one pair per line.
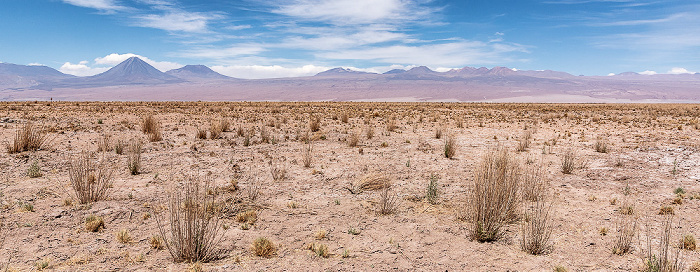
297,186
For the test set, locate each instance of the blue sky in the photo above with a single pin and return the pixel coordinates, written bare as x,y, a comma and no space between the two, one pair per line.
261,39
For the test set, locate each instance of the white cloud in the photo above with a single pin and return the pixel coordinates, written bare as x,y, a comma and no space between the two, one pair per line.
678,71
272,71
177,21
35,64
611,74
81,69
104,5
114,59
354,12
648,73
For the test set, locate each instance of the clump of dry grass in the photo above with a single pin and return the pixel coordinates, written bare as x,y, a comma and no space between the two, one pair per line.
315,123
103,144
493,198
536,230
156,242
123,236
688,242
249,216
601,145
626,231
193,232
524,142
533,183
388,201
151,127
215,129
90,182
353,139
369,132
94,223
263,247
320,250
201,134
568,161
391,125
134,157
28,138
307,155
278,169
450,148
433,190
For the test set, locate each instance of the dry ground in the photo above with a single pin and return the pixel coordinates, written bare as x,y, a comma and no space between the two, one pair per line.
652,150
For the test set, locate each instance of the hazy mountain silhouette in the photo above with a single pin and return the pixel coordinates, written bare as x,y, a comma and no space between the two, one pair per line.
340,71
17,76
194,72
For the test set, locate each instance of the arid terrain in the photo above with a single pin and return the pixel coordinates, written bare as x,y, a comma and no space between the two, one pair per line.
347,186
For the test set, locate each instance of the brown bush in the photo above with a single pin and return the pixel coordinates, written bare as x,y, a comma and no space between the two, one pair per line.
568,161
626,231
90,182
263,247
28,138
493,198
450,148
388,201
193,232
536,231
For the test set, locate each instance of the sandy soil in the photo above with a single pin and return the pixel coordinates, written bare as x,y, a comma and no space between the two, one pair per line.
653,149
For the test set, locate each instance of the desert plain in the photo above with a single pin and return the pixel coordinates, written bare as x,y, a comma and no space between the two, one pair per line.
296,174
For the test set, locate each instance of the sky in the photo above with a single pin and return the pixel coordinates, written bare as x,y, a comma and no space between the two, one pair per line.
284,38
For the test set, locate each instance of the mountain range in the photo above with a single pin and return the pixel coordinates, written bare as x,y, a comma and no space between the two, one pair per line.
134,79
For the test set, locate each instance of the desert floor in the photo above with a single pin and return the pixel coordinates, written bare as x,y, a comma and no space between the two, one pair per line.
652,151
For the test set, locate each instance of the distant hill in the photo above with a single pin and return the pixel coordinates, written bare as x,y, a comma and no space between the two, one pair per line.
17,76
340,71
194,72
132,71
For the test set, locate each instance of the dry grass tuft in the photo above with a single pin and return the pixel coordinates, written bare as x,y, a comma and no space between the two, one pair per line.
134,157
28,138
94,223
494,199
533,183
315,123
627,228
320,250
123,236
249,216
388,201
601,145
450,148
193,233
374,182
156,242
353,139
307,155
568,162
536,231
688,242
90,182
151,127
263,247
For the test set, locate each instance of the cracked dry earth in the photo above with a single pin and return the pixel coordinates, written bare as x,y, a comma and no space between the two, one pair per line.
652,150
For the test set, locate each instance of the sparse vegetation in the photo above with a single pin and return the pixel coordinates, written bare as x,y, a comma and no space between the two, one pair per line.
263,247
94,223
433,190
27,138
493,199
388,201
450,147
536,231
193,231
134,157
89,181
568,162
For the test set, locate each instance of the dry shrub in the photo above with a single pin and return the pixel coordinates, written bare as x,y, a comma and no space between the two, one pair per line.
249,216
438,133
494,199
627,228
662,260
225,125
391,125
151,127
94,223
374,182
450,147
688,242
28,138
123,236
388,201
89,181
568,162
369,132
666,210
353,139
315,123
119,147
524,142
215,130
320,250
156,242
193,232
307,155
601,145
134,157
695,267
103,143
263,247
537,229
344,117
201,134
533,183
433,190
